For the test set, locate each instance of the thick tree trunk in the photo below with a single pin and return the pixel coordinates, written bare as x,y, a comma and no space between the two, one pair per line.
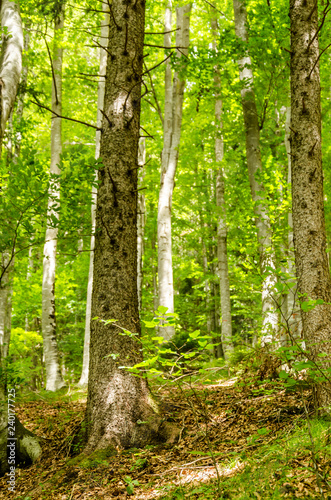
11,60
101,94
141,220
307,187
54,380
254,164
222,249
174,97
120,412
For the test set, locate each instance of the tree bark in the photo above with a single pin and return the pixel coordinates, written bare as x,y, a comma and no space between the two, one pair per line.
27,448
254,164
54,380
293,307
10,60
120,412
222,249
141,219
101,94
174,97
307,187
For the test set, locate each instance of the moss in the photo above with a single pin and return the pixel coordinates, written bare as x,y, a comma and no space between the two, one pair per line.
99,457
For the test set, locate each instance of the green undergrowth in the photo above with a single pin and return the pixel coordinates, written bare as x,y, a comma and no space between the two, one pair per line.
73,393
286,467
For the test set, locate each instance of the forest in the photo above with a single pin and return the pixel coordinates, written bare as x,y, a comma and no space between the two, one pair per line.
165,229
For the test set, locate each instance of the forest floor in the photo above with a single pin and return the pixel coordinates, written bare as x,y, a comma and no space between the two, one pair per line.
236,442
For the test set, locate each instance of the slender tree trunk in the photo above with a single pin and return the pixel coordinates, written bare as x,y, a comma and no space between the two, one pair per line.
10,61
307,187
154,270
27,447
54,380
222,249
120,412
101,94
254,164
10,74
141,219
293,307
174,97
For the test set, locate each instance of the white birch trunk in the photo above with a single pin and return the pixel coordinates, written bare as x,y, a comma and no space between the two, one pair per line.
11,60
20,100
254,164
101,94
141,220
222,251
174,97
10,73
54,380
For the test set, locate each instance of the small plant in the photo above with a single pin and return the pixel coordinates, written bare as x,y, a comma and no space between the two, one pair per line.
131,483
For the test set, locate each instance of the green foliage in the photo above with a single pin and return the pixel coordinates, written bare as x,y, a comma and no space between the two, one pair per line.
131,483
25,367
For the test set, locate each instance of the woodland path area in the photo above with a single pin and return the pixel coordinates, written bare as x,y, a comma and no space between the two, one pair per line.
249,431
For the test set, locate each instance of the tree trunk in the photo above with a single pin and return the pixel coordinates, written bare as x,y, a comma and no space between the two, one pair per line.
120,412
11,60
293,308
222,249
254,164
141,219
54,380
307,187
101,94
174,97
27,447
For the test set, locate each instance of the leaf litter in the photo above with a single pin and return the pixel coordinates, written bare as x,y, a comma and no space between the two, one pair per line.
221,427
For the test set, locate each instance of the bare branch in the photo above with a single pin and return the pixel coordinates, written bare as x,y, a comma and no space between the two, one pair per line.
66,117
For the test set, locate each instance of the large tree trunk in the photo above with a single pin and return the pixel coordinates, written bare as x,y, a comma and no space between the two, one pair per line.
254,164
222,249
307,187
11,60
54,380
120,412
174,97
101,94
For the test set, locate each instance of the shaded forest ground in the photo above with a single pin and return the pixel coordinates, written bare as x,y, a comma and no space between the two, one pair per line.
256,436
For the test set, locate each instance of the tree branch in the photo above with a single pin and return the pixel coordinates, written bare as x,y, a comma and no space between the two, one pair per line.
66,117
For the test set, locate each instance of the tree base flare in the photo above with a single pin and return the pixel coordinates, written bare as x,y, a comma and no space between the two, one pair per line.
155,431
27,450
